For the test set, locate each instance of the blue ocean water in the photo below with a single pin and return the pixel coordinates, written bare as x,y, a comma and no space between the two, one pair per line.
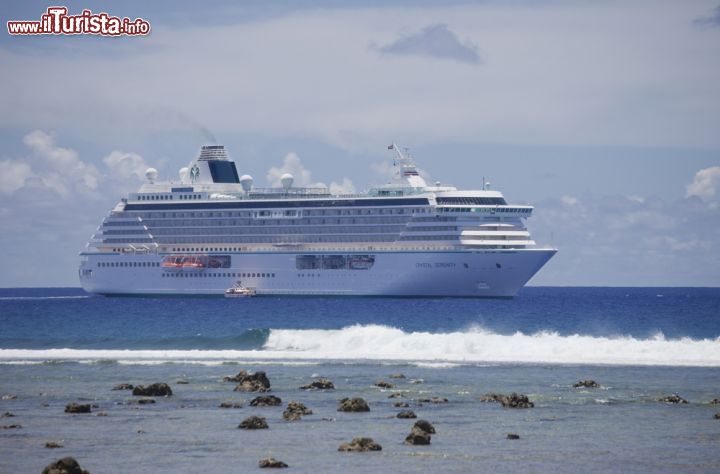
640,344
53,318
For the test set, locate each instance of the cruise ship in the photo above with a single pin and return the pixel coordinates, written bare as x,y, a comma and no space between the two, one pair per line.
213,229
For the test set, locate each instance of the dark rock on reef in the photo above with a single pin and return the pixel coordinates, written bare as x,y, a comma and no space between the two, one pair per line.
231,405
182,382
236,378
514,400
291,416
396,376
717,416
257,382
11,427
64,466
154,390
123,386
407,414
266,401
295,410
396,395
7,414
299,407
491,397
433,400
715,401
353,405
271,462
360,445
425,426
673,399
251,386
513,436
587,384
384,384
78,408
53,445
319,384
253,423
418,437
401,405
141,401
420,433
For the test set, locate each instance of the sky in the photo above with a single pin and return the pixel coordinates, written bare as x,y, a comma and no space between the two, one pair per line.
604,115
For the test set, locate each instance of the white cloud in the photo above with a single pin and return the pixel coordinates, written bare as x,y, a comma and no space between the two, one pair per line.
126,165
705,185
303,177
43,144
13,176
291,164
60,169
570,200
344,187
52,202
626,241
385,169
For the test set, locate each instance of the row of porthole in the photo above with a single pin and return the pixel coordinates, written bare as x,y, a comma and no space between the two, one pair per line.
218,275
203,249
128,264
302,275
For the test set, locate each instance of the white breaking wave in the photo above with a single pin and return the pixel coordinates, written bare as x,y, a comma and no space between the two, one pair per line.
477,345
440,350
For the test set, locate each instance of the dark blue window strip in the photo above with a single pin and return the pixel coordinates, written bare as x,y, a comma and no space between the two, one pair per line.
487,201
172,206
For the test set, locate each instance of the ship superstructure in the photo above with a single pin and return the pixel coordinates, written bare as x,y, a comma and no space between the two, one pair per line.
406,238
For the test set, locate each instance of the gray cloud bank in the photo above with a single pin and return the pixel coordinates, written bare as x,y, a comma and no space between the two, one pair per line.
639,241
711,20
434,41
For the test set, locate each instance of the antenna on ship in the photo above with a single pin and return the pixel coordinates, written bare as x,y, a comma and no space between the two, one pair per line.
408,170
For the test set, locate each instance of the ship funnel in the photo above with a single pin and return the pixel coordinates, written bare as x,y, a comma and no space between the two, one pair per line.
212,152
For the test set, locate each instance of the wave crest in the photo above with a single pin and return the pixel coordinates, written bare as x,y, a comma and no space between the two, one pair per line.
479,345
384,343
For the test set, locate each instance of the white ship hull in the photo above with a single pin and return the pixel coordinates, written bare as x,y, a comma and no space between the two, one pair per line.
463,273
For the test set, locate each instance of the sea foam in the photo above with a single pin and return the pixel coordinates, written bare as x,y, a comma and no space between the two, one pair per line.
479,345
383,343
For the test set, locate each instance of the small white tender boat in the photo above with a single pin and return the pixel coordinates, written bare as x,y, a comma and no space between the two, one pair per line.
239,291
